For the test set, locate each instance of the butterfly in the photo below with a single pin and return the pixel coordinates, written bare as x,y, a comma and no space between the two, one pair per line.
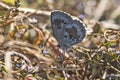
67,30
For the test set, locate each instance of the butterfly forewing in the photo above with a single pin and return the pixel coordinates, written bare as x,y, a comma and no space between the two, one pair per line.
59,21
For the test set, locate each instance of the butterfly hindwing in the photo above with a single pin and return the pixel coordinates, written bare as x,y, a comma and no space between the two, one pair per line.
67,31
74,33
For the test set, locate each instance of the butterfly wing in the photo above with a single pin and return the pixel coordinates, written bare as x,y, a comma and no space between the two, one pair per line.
59,20
74,33
66,30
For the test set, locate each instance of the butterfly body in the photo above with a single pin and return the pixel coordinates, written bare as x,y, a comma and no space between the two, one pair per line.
67,31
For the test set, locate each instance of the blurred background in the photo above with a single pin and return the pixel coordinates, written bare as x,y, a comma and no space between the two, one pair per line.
91,9
98,15
25,28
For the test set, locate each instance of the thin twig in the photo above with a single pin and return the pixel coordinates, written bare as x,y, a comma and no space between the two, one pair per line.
27,10
113,68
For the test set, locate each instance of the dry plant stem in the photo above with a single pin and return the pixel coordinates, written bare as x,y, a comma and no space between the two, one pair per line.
115,13
111,32
49,4
58,50
27,10
104,74
31,49
19,43
119,41
8,22
113,68
110,25
64,75
85,72
100,9
21,55
4,6
8,65
40,57
8,61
